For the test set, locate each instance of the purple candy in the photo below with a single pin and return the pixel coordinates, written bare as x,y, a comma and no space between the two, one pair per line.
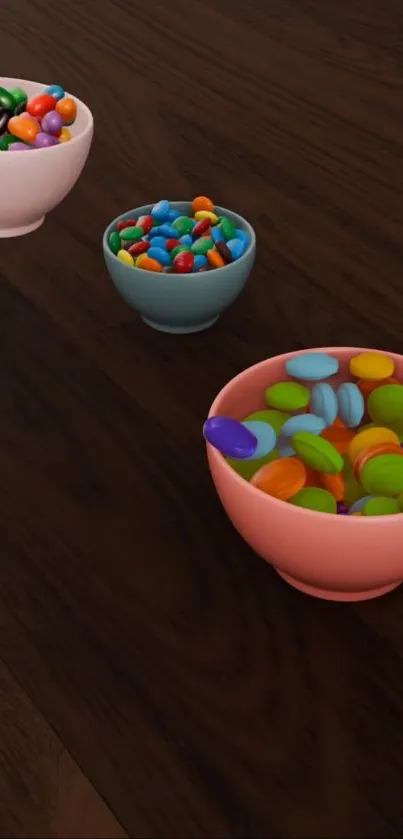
19,147
230,437
42,140
342,509
52,123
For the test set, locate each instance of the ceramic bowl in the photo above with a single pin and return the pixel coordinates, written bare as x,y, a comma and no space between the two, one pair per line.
335,557
180,303
36,182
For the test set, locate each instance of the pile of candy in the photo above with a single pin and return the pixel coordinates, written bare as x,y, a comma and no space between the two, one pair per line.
334,450
37,123
167,241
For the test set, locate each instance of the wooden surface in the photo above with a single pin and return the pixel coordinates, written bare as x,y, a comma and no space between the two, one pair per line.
158,679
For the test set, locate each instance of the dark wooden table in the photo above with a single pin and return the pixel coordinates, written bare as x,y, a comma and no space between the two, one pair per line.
157,678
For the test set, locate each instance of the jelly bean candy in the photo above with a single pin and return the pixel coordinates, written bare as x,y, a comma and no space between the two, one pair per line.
138,248
201,215
125,257
56,91
43,140
65,135
52,123
114,242
6,100
201,227
236,247
200,261
230,437
20,100
215,259
6,140
183,225
147,264
131,234
160,254
20,147
5,116
24,128
202,203
224,252
40,105
186,240
67,109
146,223
202,246
228,229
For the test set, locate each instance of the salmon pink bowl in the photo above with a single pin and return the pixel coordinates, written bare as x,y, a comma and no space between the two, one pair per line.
37,182
333,557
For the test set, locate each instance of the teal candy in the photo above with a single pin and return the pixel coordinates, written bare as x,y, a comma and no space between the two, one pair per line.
171,302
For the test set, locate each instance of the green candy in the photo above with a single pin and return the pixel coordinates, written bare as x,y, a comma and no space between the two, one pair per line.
227,228
352,489
114,242
6,140
131,234
201,246
314,498
288,396
399,500
383,475
183,224
178,249
20,98
275,418
385,405
318,453
248,468
6,100
380,507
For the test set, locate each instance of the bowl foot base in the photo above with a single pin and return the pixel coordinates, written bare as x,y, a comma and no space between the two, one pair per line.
179,330
9,232
342,596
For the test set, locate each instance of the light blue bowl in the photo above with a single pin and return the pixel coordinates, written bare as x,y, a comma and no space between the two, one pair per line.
180,303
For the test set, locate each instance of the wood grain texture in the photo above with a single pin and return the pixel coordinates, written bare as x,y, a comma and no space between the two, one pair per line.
42,790
198,694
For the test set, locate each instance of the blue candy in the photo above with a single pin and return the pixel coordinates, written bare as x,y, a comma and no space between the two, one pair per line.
160,254
351,404
312,366
56,91
230,437
358,505
161,211
285,449
164,230
173,214
217,235
199,262
186,239
265,435
241,234
236,247
303,422
157,240
324,402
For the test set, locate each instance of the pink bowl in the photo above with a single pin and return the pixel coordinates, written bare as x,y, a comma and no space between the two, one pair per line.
327,556
36,182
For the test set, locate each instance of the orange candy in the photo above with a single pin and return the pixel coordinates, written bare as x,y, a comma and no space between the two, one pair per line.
201,203
215,259
147,264
281,478
366,386
334,484
339,436
24,128
67,109
373,451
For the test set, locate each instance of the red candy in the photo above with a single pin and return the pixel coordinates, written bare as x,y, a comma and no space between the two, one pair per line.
201,227
183,262
146,223
171,244
130,222
40,105
138,248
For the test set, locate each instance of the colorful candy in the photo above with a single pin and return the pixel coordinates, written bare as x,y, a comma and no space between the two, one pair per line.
36,123
181,244
311,447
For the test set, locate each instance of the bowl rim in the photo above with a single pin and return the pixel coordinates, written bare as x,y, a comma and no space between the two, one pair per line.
80,105
156,276
219,458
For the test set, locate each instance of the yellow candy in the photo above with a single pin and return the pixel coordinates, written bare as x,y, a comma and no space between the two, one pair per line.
371,437
202,214
125,257
65,135
372,365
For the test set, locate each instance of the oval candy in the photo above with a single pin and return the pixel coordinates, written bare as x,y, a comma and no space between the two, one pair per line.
324,402
385,405
351,404
368,437
317,453
287,396
311,367
303,422
383,475
372,365
281,478
265,435
380,506
230,437
314,498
